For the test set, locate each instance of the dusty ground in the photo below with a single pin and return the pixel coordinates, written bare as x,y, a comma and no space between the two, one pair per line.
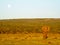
29,39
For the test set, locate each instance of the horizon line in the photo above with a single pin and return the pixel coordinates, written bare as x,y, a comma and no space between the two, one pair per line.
30,18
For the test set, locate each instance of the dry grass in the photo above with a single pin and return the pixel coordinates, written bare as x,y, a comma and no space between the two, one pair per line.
29,39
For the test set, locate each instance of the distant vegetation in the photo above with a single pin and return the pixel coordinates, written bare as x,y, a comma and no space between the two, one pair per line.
28,25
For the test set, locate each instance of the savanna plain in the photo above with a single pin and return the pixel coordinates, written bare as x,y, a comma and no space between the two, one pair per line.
29,32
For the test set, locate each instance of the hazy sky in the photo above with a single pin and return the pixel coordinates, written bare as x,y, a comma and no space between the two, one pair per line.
29,8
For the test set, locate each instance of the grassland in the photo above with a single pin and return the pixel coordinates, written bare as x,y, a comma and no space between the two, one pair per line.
28,32
28,25
29,39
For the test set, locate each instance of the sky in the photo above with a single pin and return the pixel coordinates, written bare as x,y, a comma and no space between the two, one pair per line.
29,9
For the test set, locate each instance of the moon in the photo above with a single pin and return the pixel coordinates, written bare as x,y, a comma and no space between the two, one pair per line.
9,5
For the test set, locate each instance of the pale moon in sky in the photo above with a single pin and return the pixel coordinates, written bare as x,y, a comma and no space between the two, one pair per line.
9,5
